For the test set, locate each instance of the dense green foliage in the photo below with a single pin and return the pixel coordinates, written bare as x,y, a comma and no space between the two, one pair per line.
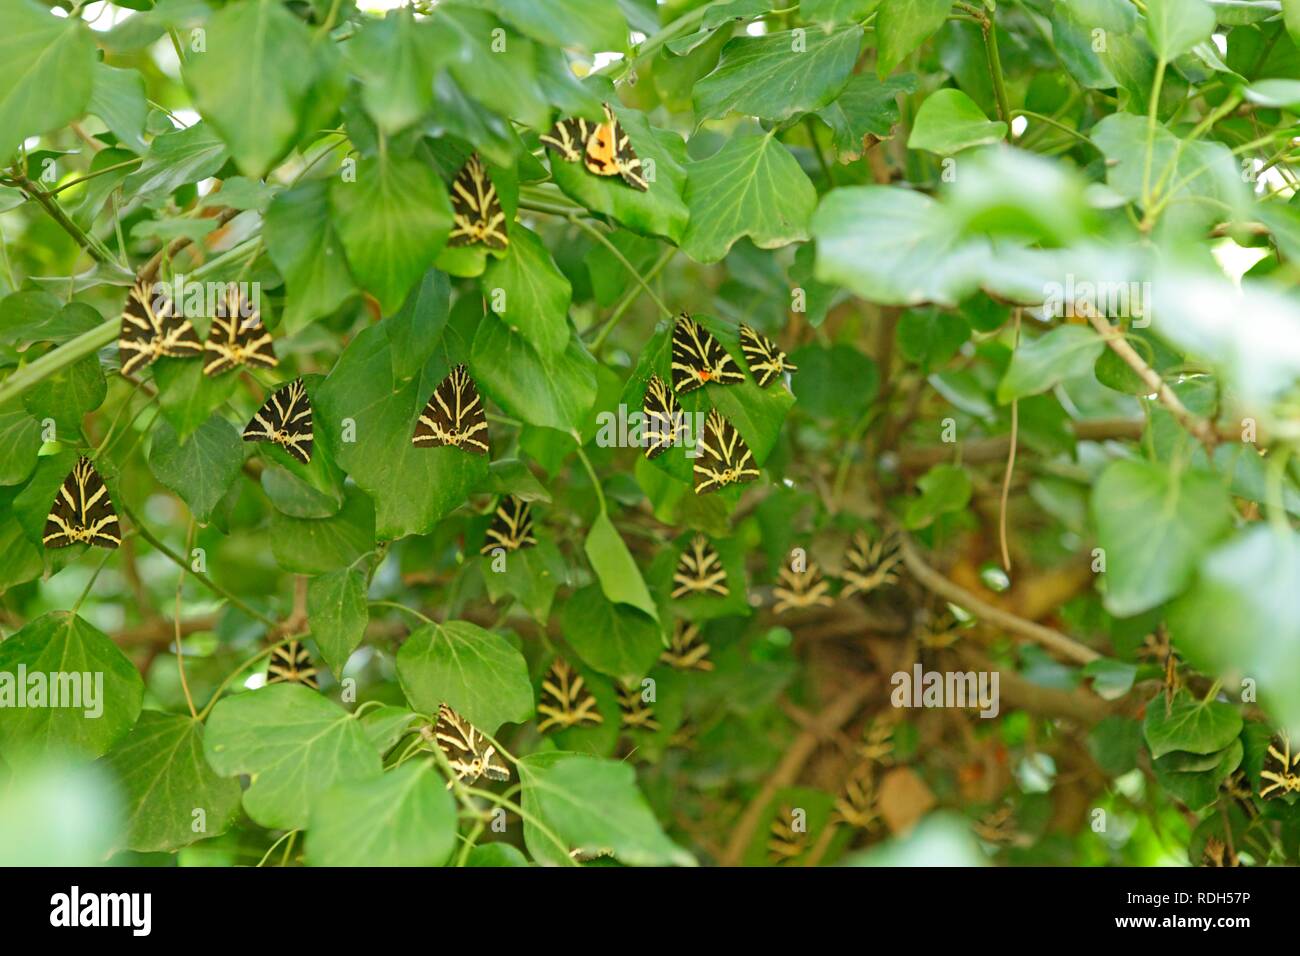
1032,259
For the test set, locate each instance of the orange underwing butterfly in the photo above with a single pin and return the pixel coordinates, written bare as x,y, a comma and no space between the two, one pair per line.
605,148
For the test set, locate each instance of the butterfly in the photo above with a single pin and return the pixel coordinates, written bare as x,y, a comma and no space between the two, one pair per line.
565,700
856,805
454,415
698,358
151,328
721,456
512,526
470,754
1218,853
237,337
285,419
686,651
766,360
1281,769
784,842
878,742
291,664
800,589
605,147
635,713
699,570
477,216
941,627
871,564
82,512
665,424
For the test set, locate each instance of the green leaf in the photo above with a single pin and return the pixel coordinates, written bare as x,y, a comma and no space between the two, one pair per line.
479,674
1175,26
1198,789
20,435
416,329
58,814
1196,726
187,396
406,817
902,26
827,13
615,568
165,780
944,489
32,504
1291,16
751,187
557,393
949,121
301,241
1114,743
176,159
97,689
593,806
778,76
1154,524
48,74
532,293
868,106
497,67
68,394
320,545
1065,352
338,614
395,60
392,221
496,854
294,743
593,27
385,725
118,99
615,639
821,384
531,576
202,469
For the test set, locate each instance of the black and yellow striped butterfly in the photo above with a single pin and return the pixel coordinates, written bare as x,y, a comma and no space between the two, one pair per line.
565,700
152,327
82,512
477,216
784,842
871,564
940,626
1281,769
721,456
686,650
605,148
568,137
1218,853
635,713
801,589
699,571
291,663
237,337
665,424
857,804
699,358
285,419
765,359
512,526
470,754
454,416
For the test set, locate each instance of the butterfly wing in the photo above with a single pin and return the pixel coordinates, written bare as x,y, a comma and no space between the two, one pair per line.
477,216
291,663
454,416
635,713
801,589
285,419
765,359
871,564
466,749
686,651
565,700
237,337
722,457
609,152
152,327
511,527
665,425
699,358
82,512
568,138
699,571
1281,772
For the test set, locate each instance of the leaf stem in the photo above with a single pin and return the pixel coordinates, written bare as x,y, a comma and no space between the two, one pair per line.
618,254
595,480
402,607
990,31
626,302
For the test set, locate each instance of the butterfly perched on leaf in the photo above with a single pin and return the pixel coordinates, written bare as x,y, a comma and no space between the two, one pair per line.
765,358
151,328
237,337
511,527
665,423
605,148
721,456
291,663
477,216
784,842
801,589
285,419
858,803
470,754
1281,770
82,512
454,416
699,358
871,563
686,650
565,700
699,570
635,712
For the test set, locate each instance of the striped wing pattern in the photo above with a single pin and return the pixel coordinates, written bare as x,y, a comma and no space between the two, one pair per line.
512,526
477,216
801,589
635,713
454,416
765,359
568,138
687,651
699,358
665,424
291,663
609,152
722,457
699,571
152,328
237,337
82,512
784,843
285,419
1281,773
870,564
470,754
565,700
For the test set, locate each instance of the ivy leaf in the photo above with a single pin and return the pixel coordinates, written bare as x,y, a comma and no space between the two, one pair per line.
1154,524
868,106
615,639
485,58
1175,26
202,469
827,13
406,817
31,506
1039,364
320,545
593,27
48,75
778,76
107,694
385,725
1198,789
301,241
20,433
496,854
819,385
187,396
531,577
944,489
751,187
416,329
395,61
118,99
479,674
338,614
557,393
902,26
294,743
1196,726
615,568
949,121
164,779
593,806
533,293
68,394
177,159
